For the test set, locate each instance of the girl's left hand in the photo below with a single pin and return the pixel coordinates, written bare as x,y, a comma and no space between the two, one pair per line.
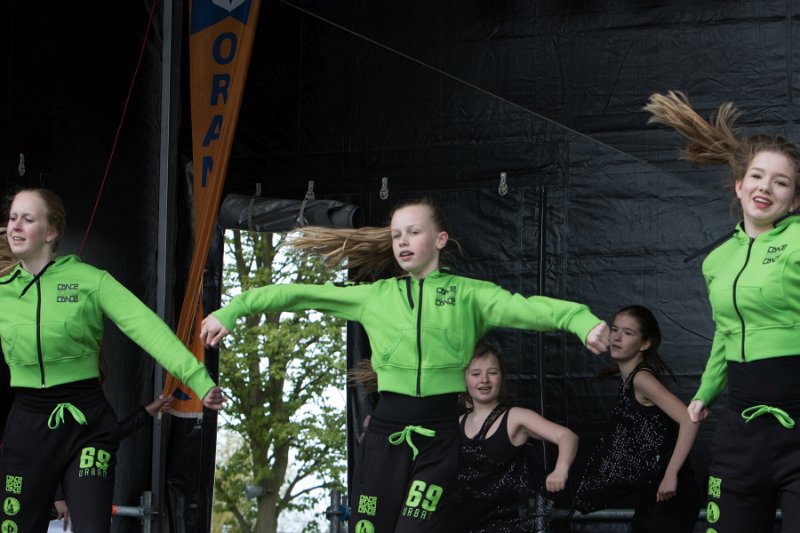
667,488
598,339
556,481
214,399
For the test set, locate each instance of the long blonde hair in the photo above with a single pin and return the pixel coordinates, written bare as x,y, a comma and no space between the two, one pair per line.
716,141
7,259
367,250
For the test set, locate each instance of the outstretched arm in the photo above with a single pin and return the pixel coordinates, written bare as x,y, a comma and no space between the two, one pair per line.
524,424
646,384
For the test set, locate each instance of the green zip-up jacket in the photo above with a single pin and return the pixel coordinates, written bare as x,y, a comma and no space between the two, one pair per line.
51,326
754,290
422,332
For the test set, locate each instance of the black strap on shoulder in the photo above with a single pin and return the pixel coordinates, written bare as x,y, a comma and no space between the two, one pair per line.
636,370
496,413
708,248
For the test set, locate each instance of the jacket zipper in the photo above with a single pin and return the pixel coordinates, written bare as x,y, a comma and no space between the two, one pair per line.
39,328
735,284
419,341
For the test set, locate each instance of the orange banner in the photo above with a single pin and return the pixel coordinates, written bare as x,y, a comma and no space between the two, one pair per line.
220,45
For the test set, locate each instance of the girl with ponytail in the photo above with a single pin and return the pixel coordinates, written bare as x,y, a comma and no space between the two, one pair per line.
753,281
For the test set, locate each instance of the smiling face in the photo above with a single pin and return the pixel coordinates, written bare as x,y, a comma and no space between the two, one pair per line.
484,379
627,341
29,233
416,241
767,191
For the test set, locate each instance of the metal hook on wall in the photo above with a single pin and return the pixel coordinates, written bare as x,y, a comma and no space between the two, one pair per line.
384,193
251,206
502,190
301,219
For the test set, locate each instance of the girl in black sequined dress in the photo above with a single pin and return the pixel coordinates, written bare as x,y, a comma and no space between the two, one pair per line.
647,449
495,490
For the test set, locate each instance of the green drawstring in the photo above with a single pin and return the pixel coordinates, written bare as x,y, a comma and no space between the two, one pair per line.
757,410
405,435
57,416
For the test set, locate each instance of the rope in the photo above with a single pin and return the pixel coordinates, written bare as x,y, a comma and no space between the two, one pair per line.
119,129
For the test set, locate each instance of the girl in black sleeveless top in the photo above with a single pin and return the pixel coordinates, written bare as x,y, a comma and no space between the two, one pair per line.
495,491
647,449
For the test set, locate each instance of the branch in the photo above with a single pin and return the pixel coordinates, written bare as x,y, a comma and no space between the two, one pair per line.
231,505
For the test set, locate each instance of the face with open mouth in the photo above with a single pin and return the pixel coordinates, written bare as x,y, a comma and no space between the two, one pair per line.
767,191
29,234
416,241
484,379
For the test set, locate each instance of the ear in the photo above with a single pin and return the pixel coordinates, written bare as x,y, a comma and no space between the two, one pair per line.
52,235
738,188
441,240
645,346
796,202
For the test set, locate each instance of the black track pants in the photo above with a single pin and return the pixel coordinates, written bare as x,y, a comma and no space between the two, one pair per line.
392,491
754,467
35,458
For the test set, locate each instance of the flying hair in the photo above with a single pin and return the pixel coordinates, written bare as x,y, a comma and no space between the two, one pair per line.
716,141
367,251
710,142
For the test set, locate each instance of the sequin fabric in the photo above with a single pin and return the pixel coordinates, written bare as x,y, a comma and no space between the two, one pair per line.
632,457
496,488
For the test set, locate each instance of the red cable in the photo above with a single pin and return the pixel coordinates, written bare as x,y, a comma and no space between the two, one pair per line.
119,129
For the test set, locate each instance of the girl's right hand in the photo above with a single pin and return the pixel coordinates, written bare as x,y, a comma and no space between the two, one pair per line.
697,411
557,480
212,331
598,339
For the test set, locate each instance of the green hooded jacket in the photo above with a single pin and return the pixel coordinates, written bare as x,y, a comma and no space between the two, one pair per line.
422,332
52,325
754,290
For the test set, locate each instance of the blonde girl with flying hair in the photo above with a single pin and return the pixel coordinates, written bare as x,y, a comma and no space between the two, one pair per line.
753,281
422,326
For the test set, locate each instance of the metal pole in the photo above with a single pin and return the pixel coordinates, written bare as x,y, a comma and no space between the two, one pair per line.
334,512
540,281
607,515
164,251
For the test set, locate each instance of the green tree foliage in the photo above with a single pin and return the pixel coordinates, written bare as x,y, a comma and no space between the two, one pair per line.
280,371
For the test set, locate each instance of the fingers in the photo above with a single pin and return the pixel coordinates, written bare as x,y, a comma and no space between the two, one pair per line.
212,331
598,339
555,483
214,399
697,411
664,496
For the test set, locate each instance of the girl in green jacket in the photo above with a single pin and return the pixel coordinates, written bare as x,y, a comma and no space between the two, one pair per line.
753,281
61,428
422,327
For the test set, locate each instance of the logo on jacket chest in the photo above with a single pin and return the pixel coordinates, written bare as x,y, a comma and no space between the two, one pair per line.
67,292
446,296
773,254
